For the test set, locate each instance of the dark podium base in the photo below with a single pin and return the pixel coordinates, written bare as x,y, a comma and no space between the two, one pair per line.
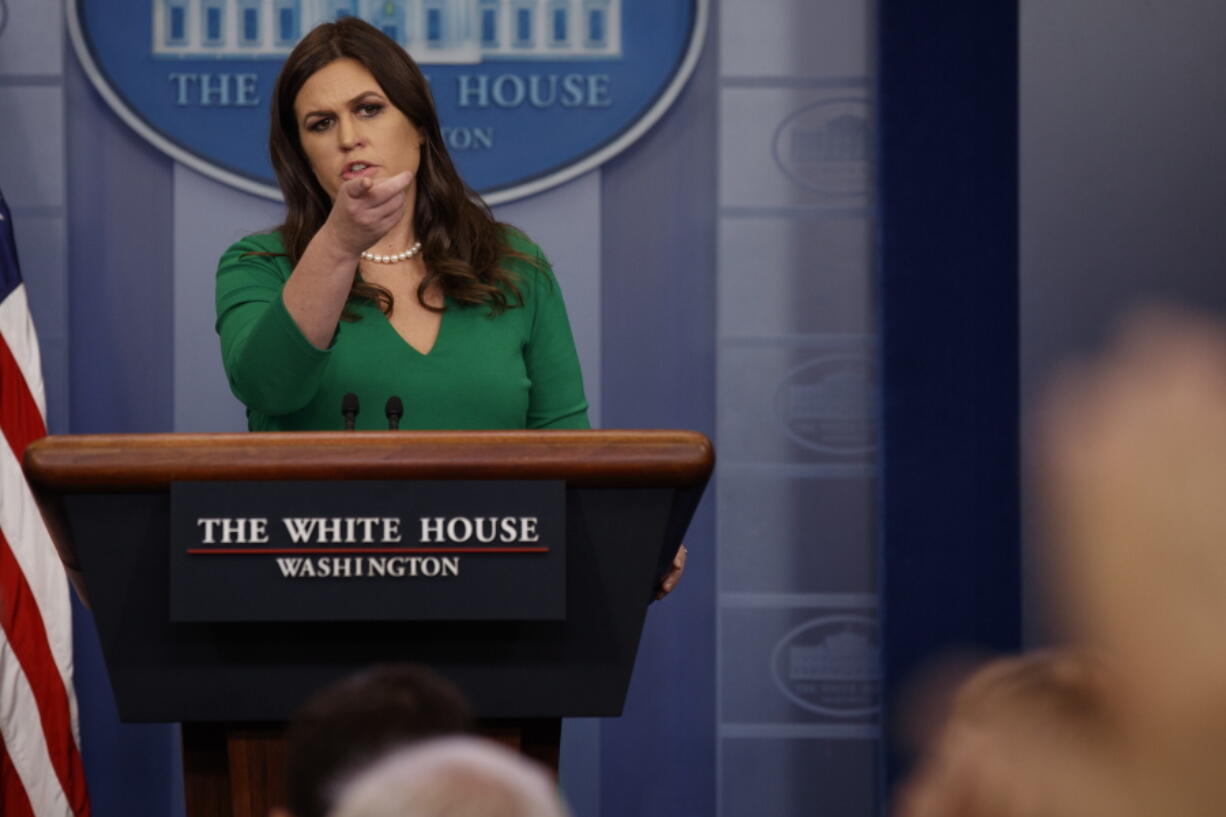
238,770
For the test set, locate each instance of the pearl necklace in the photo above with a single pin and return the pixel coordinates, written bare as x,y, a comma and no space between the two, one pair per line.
392,259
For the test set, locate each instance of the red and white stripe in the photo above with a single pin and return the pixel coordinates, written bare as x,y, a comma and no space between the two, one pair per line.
40,760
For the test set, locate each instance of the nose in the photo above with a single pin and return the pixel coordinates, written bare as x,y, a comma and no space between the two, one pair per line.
348,134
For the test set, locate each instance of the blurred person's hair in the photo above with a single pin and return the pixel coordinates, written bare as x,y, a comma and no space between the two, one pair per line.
1041,689
350,724
1020,733
452,777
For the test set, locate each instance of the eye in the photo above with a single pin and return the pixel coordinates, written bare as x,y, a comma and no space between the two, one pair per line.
320,125
369,109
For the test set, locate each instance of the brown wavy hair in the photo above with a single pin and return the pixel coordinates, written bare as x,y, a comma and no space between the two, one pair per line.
462,245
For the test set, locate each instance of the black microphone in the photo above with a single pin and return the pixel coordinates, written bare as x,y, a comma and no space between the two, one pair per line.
349,409
394,411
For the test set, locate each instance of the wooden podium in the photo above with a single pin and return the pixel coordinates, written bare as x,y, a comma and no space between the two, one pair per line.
629,497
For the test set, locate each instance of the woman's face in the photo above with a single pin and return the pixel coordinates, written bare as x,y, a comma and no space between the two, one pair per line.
348,128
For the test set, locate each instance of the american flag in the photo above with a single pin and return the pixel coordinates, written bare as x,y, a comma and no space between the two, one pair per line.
40,760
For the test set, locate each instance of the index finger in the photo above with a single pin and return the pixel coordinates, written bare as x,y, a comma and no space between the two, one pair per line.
357,188
384,190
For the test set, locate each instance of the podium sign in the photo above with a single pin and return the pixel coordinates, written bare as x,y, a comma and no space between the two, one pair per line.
367,551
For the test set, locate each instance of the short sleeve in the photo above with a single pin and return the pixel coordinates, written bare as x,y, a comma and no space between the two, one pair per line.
556,399
271,366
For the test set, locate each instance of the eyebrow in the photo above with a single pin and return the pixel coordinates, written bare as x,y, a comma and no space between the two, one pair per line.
306,116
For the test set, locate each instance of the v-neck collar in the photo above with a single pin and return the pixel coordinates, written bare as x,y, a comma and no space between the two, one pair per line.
438,336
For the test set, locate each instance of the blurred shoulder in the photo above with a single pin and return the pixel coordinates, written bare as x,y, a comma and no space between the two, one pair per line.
527,262
260,254
262,243
518,242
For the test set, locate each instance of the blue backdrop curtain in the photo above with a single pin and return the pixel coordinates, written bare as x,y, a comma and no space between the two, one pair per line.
948,308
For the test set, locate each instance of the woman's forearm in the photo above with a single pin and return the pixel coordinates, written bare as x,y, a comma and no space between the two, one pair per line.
316,292
363,212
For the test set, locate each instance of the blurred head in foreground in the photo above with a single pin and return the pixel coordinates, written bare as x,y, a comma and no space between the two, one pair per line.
351,724
452,777
1132,480
1133,453
1132,457
1030,735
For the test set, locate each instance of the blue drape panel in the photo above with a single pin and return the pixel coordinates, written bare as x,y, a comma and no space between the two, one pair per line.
947,265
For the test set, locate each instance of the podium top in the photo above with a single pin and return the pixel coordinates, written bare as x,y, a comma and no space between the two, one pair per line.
134,462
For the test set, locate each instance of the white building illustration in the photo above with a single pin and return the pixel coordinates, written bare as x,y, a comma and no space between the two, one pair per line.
845,656
433,31
837,396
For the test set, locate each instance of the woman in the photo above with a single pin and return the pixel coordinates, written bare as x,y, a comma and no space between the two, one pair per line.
388,277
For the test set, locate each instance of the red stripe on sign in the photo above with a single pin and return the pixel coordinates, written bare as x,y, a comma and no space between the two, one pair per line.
355,551
14,802
23,625
19,415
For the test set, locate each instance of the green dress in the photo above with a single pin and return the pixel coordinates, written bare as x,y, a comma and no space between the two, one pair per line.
514,370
